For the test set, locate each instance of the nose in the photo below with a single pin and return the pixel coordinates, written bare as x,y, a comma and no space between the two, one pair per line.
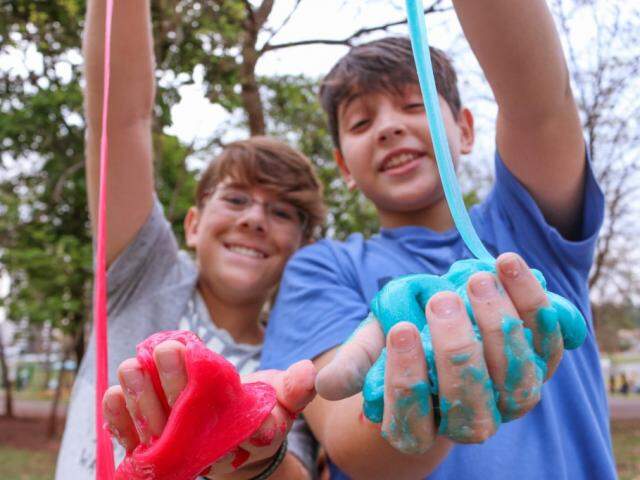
254,218
390,131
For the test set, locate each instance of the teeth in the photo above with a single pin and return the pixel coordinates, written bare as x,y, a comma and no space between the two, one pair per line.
400,160
249,252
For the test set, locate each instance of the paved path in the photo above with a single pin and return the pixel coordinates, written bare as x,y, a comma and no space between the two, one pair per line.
624,408
32,408
621,408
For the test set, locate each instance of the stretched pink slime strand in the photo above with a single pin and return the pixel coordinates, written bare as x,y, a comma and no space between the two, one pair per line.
105,467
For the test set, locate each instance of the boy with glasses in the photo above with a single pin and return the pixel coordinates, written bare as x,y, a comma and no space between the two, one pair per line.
256,203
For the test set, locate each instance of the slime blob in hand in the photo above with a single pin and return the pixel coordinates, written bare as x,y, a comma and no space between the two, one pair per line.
211,417
405,299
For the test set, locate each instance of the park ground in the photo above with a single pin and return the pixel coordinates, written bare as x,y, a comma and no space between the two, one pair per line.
27,454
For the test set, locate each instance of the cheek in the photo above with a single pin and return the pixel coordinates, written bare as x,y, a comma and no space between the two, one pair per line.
287,247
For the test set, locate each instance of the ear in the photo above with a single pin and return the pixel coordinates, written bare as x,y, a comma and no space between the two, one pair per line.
467,131
344,170
191,222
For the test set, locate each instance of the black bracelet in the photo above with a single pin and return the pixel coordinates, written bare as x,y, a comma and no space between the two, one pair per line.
275,463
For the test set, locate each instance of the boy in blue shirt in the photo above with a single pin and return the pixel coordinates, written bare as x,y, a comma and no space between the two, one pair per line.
545,206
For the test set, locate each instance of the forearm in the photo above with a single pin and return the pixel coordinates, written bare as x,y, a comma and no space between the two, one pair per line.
518,47
538,129
131,98
357,447
291,468
132,63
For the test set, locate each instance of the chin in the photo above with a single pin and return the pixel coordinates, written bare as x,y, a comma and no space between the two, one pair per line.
410,202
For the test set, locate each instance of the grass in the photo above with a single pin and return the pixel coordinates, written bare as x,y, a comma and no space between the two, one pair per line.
19,464
26,464
626,446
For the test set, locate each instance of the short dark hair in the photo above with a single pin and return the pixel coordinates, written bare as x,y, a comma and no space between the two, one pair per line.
383,65
271,164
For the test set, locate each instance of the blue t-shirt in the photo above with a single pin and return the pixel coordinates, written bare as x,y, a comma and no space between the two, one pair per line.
327,287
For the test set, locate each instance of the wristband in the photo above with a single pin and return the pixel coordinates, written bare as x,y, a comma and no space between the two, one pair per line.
275,463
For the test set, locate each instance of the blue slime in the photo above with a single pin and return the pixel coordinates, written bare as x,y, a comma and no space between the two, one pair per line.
405,299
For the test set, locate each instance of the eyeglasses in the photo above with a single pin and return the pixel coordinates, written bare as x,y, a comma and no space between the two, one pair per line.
279,212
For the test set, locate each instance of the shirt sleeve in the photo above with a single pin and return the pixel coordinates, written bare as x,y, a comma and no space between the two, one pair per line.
143,265
518,224
319,305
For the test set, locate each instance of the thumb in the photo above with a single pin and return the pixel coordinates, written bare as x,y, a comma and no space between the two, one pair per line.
344,375
295,387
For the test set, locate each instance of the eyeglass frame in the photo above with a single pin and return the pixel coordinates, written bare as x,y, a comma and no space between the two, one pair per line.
303,216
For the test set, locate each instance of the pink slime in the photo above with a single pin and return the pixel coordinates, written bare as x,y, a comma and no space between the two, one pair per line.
210,418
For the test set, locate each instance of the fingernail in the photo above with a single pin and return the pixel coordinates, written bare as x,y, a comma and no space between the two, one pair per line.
483,286
403,339
445,305
133,380
169,361
511,267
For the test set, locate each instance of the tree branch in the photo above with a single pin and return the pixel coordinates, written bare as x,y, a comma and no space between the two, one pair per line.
250,12
348,41
284,22
263,12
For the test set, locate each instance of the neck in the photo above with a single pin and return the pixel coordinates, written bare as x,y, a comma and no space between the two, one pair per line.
241,319
436,217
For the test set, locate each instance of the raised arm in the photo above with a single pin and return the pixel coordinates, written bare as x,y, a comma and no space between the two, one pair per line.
130,190
538,128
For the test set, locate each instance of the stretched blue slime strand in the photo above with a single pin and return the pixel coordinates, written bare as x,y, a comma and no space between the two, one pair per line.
420,44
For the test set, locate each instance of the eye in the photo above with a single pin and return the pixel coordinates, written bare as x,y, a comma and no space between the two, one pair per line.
415,106
359,124
236,199
283,212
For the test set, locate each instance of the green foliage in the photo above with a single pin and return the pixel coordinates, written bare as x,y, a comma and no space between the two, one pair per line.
174,184
45,243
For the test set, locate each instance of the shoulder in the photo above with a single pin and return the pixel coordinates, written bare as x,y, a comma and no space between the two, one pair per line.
328,254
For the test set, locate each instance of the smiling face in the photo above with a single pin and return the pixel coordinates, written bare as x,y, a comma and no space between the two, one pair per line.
386,151
241,253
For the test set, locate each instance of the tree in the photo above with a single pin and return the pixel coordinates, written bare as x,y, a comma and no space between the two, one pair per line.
603,44
46,246
5,380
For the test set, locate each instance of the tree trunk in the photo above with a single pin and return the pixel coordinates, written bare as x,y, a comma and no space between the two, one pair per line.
6,382
251,100
47,361
78,342
51,427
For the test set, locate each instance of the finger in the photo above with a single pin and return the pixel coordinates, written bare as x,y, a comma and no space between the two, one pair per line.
408,414
344,375
169,358
530,300
142,402
516,372
294,390
118,419
468,412
295,387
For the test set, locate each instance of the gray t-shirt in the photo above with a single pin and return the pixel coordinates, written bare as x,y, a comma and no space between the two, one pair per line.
152,287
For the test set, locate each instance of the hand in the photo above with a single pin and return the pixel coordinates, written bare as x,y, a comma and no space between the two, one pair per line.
471,370
135,415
